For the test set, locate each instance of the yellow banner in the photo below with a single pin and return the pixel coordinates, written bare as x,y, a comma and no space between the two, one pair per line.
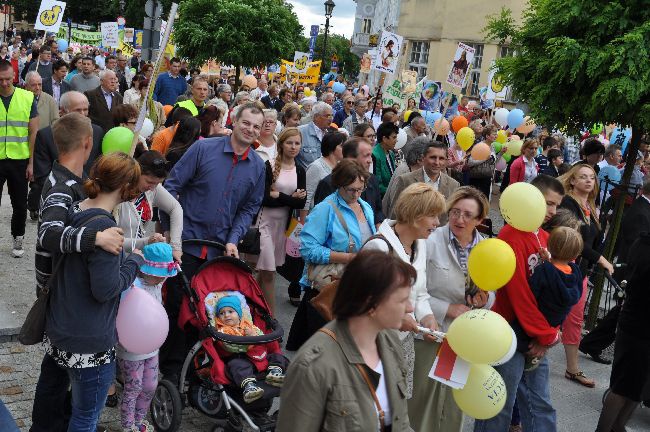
311,77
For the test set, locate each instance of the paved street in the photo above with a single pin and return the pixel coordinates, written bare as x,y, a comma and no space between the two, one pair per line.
577,406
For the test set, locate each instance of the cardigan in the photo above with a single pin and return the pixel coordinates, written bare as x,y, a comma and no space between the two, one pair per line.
590,233
317,171
283,200
518,170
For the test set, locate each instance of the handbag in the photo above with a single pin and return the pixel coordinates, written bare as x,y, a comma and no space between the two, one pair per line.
483,170
250,242
325,277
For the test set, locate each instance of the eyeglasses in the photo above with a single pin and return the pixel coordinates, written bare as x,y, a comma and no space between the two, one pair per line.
132,122
457,214
353,191
373,136
349,103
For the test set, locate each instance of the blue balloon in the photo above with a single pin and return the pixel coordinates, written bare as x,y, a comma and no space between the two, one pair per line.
430,117
338,87
515,118
63,44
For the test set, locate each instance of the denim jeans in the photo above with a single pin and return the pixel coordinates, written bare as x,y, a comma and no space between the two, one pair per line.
7,423
51,409
533,398
89,391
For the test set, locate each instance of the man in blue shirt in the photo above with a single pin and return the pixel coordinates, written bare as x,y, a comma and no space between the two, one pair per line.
312,134
171,85
220,185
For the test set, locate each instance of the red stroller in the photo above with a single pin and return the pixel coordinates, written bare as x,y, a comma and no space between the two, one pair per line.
203,383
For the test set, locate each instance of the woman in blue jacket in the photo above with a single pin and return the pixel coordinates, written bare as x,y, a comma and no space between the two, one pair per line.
334,232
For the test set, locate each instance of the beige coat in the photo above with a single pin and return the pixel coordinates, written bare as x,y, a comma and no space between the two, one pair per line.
324,390
48,111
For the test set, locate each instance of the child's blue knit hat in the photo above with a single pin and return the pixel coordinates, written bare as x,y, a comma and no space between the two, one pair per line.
229,301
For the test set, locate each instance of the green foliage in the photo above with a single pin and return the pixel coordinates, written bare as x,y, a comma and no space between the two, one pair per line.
336,44
579,63
500,26
237,32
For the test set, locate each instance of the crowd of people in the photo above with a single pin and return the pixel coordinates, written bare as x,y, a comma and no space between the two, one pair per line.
393,225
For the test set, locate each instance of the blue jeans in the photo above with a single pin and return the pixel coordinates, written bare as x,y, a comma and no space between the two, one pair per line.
533,398
7,423
89,390
51,409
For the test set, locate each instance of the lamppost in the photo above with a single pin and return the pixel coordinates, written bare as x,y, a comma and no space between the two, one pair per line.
329,7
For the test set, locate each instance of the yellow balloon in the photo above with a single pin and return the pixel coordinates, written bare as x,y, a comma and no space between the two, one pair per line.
514,148
480,336
491,264
465,138
523,206
502,137
484,395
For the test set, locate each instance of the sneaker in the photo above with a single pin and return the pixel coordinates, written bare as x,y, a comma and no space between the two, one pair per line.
145,426
18,250
275,377
251,390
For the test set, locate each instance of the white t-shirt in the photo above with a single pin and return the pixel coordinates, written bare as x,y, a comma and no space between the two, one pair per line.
382,394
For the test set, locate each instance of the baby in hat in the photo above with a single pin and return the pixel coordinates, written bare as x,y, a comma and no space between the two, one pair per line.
244,361
141,370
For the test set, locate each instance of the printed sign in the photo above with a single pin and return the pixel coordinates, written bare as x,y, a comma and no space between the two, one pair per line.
50,15
460,65
110,34
431,95
129,33
300,62
389,49
495,89
137,42
366,62
310,77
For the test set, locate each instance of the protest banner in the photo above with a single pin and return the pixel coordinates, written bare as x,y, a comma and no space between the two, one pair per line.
393,95
110,34
460,65
430,96
49,16
137,39
389,50
82,37
495,88
300,62
211,67
366,62
310,77
409,81
129,33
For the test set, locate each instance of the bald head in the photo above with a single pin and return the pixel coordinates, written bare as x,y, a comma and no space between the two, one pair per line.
73,101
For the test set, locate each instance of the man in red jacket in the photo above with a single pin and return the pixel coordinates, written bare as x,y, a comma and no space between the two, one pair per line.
516,301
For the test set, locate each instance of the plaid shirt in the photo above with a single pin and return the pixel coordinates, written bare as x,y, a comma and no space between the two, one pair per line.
571,150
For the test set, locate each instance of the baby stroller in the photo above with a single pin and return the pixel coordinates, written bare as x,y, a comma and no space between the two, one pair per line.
203,383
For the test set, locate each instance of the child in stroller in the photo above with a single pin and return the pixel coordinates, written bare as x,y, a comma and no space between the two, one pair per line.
243,359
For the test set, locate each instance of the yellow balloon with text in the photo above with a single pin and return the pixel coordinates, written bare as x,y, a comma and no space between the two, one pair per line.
480,336
491,264
484,395
465,138
523,206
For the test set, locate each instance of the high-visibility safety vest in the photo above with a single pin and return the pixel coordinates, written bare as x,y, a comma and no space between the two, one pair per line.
14,131
189,105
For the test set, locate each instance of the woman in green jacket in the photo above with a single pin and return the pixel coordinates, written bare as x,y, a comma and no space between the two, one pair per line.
383,155
350,375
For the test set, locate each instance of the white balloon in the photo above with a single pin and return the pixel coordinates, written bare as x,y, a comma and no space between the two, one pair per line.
501,116
401,139
147,128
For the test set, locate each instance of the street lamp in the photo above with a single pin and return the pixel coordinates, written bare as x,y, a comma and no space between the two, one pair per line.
329,7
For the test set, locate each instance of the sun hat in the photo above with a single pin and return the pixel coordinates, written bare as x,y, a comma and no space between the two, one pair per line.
229,301
158,260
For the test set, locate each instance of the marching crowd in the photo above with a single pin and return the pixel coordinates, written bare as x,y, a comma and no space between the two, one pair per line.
389,204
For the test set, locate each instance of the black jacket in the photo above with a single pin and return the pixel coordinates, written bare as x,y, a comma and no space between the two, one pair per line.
590,234
283,200
635,221
47,87
371,195
634,319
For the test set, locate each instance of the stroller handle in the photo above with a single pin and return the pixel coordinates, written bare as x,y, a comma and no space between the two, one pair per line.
275,335
208,243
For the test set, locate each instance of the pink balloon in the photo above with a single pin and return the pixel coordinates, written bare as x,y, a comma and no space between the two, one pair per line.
501,164
142,323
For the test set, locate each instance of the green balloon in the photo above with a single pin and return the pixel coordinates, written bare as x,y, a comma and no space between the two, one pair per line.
118,139
507,157
497,146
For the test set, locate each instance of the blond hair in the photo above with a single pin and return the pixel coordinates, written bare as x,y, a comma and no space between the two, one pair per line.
69,130
566,180
416,201
469,192
565,244
529,142
284,135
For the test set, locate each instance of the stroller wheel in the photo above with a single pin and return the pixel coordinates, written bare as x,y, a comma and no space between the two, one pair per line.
166,407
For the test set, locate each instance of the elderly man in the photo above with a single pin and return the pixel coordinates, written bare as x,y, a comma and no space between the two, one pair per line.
103,100
45,151
111,63
171,85
328,98
417,128
357,116
312,134
261,90
48,110
17,152
86,80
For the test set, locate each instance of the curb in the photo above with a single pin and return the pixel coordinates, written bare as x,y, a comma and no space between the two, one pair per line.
9,334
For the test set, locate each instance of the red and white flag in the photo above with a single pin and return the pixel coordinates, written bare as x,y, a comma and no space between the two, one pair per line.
448,368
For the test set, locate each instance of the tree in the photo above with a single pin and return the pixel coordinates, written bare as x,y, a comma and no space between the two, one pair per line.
80,11
336,44
237,32
579,63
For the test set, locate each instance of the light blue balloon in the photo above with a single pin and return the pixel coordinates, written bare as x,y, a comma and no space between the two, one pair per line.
63,45
515,118
430,117
338,87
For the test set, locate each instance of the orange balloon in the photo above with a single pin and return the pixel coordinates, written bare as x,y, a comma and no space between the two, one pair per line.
167,109
458,123
481,151
441,126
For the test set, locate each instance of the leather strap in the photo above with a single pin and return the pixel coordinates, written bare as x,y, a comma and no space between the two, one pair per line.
366,378
345,225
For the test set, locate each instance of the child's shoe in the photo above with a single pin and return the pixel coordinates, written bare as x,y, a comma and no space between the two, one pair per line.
275,377
251,390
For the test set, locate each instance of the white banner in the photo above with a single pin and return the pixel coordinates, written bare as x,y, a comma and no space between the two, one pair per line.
50,16
460,65
388,55
495,88
129,33
300,62
110,34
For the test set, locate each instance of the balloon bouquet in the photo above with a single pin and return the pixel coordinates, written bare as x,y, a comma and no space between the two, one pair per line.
482,337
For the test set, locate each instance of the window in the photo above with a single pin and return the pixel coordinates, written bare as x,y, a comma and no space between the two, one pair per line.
366,26
419,58
474,78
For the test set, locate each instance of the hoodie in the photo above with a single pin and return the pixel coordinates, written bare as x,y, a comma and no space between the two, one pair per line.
83,303
556,293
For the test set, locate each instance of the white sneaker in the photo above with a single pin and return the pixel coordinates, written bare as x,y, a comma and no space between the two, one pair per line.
18,250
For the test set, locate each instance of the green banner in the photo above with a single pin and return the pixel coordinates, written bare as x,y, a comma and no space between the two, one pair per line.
82,36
